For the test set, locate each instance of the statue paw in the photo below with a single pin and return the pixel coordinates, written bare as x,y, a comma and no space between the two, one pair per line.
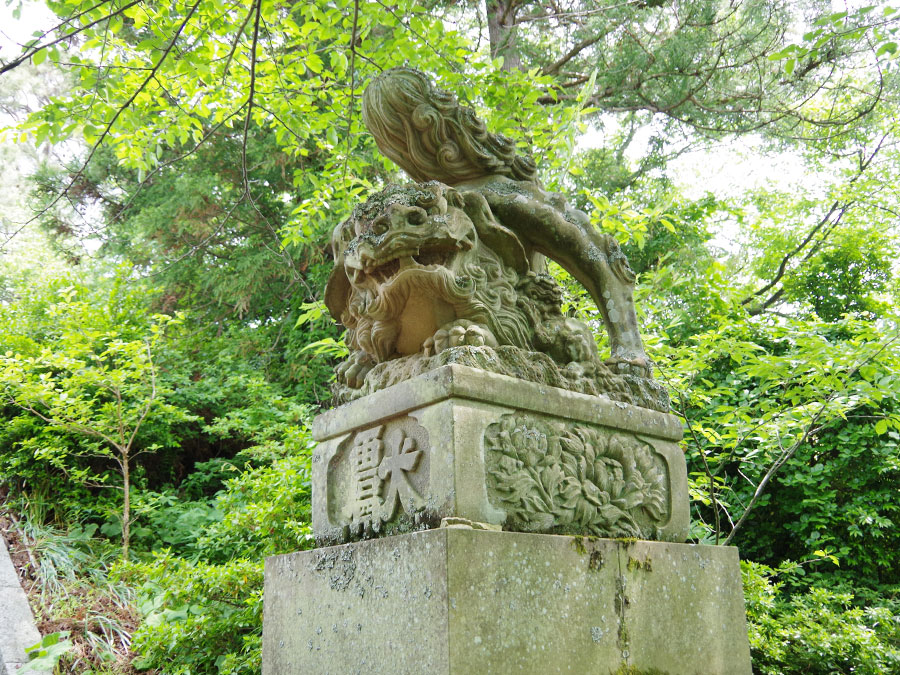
353,371
639,367
459,333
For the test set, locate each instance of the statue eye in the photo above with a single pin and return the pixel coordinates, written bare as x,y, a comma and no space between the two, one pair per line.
455,199
416,216
428,197
426,202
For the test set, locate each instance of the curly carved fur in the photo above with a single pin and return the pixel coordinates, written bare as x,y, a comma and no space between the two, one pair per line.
432,137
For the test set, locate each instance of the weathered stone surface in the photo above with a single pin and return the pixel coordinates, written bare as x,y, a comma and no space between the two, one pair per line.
17,629
522,364
460,442
473,601
458,259
703,591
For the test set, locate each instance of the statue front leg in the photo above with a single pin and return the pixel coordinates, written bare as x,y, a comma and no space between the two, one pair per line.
616,303
594,259
459,333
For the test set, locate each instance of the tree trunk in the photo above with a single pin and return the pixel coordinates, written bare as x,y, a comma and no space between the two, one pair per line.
126,506
501,17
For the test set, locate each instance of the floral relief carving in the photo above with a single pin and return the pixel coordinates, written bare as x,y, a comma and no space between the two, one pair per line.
574,479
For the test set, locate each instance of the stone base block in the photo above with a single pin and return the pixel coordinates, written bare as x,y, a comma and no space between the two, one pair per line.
458,442
471,601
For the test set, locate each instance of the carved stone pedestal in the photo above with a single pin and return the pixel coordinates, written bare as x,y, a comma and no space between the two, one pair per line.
420,478
469,602
458,442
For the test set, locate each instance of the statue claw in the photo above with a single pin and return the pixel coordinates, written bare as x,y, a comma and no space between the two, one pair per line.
459,333
639,366
353,371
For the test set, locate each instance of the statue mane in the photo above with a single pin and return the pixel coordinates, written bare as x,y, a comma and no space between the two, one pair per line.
431,136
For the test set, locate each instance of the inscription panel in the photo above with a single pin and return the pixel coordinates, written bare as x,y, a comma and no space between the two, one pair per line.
378,474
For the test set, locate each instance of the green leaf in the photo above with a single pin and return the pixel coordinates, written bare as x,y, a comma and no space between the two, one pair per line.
887,48
45,655
783,53
314,63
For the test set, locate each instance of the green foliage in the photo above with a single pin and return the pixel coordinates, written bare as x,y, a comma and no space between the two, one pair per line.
836,30
217,600
817,631
187,604
846,280
46,654
767,388
87,378
838,493
267,511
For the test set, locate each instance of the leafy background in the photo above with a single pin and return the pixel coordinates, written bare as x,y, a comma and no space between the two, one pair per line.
171,175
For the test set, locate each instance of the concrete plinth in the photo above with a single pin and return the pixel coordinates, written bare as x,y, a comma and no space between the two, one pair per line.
470,601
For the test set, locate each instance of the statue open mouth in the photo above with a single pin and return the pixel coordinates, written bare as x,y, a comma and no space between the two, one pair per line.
422,260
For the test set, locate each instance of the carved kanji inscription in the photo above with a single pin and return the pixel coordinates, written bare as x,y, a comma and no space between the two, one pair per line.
377,475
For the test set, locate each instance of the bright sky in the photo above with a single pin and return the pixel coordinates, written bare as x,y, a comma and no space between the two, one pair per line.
34,16
733,168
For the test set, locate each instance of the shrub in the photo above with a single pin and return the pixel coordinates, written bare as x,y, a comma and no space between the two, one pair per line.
818,631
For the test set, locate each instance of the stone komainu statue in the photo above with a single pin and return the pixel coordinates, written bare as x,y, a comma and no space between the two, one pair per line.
452,268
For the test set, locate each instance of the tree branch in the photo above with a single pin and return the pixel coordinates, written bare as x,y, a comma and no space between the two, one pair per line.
352,80
709,474
109,125
64,423
245,174
234,44
836,207
554,67
34,50
147,406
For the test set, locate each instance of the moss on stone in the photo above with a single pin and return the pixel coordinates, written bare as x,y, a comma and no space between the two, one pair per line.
631,670
635,564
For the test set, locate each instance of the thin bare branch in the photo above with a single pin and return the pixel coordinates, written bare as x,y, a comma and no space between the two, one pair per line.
147,405
109,126
709,474
245,174
34,50
352,81
554,67
234,44
65,423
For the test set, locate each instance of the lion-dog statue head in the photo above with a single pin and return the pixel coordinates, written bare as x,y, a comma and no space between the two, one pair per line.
418,258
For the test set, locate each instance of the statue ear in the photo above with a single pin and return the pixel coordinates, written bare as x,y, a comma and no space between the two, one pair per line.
337,291
495,236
